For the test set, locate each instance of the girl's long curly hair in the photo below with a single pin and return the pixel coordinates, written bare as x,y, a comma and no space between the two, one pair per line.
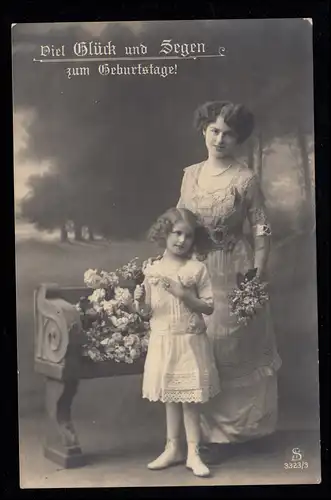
163,226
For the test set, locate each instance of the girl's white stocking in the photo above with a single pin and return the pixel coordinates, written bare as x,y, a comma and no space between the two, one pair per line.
192,429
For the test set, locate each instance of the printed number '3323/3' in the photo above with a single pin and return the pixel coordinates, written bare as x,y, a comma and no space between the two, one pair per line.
296,465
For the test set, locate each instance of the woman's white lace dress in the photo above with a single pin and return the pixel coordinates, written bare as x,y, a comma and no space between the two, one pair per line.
246,357
179,365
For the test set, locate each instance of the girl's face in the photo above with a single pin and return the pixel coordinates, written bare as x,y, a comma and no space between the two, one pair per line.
180,239
220,139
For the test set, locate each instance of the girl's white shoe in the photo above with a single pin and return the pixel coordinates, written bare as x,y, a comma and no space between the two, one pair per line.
194,461
172,455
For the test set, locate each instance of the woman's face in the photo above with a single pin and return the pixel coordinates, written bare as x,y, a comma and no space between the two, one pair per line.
220,139
180,239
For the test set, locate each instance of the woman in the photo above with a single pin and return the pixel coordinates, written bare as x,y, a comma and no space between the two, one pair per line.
225,194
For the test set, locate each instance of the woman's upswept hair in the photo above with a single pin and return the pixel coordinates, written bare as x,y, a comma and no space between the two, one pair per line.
236,116
163,226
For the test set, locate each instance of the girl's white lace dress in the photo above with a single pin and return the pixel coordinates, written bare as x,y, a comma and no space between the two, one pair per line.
179,365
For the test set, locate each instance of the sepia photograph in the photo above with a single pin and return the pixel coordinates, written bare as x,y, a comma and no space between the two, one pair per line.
165,247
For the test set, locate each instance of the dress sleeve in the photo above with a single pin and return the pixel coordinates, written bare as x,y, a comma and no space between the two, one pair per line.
204,286
256,211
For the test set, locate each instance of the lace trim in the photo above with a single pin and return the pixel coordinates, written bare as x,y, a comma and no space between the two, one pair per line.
188,273
196,192
262,230
183,396
187,381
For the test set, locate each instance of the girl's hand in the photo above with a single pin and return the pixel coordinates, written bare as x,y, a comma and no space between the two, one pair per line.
187,296
139,293
176,289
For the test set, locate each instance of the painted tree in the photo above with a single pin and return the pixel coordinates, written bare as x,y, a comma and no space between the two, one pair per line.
45,205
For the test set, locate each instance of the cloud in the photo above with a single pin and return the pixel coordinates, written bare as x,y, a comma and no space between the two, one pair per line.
23,168
24,47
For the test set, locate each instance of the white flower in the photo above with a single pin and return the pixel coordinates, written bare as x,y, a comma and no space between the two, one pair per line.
109,342
97,296
92,278
109,306
120,353
117,337
109,354
129,270
134,354
132,317
119,356
114,320
109,279
122,324
98,308
94,354
109,345
123,296
128,360
130,340
110,350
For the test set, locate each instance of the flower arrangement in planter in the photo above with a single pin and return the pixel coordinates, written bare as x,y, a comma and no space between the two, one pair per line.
113,329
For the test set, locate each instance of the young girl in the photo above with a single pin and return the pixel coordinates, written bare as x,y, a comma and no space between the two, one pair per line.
179,368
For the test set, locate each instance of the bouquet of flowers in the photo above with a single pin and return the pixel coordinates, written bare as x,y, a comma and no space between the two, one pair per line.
113,329
250,296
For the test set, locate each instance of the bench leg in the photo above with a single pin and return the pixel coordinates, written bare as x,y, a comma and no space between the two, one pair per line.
62,444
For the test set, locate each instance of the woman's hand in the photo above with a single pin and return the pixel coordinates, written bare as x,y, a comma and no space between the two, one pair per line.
261,274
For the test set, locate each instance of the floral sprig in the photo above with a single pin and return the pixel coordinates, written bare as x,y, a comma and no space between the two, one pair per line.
113,329
248,298
132,271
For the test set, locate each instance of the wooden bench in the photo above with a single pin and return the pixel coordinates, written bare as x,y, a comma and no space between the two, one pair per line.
58,356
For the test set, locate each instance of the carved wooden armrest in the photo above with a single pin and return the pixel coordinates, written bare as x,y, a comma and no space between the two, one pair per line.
57,331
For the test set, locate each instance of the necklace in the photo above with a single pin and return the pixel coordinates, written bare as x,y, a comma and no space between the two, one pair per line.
216,187
215,172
